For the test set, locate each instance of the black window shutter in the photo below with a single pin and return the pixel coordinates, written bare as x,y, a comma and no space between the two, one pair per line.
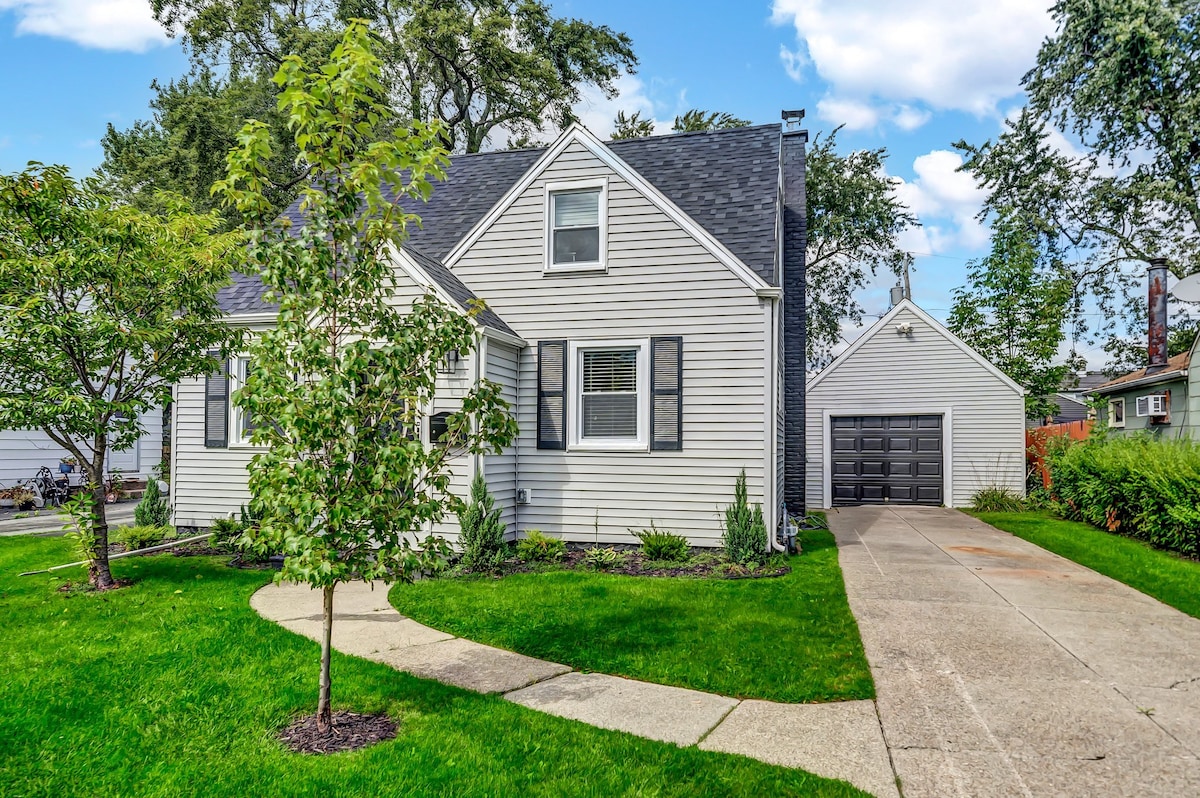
216,407
552,395
666,393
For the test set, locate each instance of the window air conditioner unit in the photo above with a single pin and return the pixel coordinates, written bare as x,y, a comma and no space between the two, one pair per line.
1153,405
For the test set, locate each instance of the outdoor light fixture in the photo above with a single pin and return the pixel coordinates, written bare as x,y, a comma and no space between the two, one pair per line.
449,363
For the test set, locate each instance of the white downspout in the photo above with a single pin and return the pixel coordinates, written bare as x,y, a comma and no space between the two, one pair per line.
771,481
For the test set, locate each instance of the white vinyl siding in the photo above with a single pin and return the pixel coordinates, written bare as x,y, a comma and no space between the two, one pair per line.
500,470
924,372
660,281
211,483
25,451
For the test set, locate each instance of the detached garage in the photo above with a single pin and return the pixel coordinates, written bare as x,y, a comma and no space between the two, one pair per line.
910,414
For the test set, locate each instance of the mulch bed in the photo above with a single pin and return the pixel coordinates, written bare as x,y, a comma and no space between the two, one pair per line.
350,732
636,564
204,549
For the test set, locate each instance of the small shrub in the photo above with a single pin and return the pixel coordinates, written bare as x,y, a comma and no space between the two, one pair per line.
997,500
659,544
482,535
153,509
226,532
603,559
140,537
536,547
745,536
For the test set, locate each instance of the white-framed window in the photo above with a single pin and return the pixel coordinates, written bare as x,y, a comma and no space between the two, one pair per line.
576,225
610,395
1116,413
240,422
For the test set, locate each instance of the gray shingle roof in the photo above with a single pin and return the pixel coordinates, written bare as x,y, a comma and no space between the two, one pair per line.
726,180
456,289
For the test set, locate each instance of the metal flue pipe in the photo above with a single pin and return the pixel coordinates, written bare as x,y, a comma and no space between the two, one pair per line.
1156,341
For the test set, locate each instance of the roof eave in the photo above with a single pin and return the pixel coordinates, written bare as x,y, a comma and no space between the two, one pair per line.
1141,382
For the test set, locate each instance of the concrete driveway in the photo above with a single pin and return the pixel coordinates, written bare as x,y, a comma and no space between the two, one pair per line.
1005,670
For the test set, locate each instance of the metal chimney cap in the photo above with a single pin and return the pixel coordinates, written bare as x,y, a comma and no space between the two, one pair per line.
1158,263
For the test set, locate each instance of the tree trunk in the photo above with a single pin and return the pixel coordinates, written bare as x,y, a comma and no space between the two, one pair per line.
99,573
324,711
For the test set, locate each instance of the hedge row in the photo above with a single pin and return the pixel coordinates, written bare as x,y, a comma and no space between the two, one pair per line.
1142,487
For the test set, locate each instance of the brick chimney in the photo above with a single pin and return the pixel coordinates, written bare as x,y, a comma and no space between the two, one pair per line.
1156,349
795,242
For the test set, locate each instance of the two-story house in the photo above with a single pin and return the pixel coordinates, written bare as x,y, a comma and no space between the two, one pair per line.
645,319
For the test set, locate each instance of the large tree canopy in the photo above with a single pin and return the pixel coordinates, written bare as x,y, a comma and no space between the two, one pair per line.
1119,77
485,68
183,149
477,65
854,221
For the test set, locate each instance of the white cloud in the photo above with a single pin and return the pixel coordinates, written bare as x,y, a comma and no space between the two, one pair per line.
597,112
946,201
104,24
908,118
935,54
794,62
851,113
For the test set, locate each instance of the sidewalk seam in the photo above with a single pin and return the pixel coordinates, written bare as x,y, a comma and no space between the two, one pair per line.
720,720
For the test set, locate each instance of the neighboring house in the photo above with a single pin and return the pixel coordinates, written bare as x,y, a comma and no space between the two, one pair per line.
1163,398
1163,401
1072,398
23,452
641,297
910,414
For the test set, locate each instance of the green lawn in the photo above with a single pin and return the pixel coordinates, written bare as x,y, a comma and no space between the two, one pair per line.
790,638
1165,576
175,687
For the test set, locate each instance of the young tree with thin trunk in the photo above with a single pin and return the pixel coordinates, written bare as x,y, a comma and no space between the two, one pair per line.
343,485
105,308
1016,308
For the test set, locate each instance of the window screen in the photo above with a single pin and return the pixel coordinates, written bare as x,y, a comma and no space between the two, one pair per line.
609,393
576,233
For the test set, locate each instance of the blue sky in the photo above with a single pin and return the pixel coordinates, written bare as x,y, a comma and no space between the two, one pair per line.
912,77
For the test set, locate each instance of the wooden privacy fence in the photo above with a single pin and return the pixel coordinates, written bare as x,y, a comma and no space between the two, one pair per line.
1037,437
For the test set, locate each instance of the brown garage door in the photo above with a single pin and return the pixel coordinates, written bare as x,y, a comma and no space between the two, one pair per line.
886,460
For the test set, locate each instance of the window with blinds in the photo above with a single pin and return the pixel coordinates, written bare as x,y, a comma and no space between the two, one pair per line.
243,422
609,393
575,234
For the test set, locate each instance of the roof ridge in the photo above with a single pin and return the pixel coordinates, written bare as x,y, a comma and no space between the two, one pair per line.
607,142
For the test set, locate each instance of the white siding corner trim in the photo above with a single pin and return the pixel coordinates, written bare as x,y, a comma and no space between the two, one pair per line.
907,409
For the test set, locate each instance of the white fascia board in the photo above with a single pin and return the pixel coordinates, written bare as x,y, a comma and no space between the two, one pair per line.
906,304
252,319
503,337
578,133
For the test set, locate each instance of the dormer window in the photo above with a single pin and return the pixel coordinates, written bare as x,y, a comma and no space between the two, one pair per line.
576,229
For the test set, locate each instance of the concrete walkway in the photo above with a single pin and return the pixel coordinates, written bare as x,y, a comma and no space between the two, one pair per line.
1004,670
840,741
49,522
